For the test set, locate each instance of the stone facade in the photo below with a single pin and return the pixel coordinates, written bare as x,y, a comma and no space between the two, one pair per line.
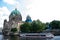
15,20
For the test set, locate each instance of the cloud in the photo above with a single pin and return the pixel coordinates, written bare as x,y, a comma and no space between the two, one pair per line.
4,14
12,2
45,10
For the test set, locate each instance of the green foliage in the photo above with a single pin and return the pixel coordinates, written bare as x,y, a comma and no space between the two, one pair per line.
35,26
47,25
25,27
55,24
41,26
14,30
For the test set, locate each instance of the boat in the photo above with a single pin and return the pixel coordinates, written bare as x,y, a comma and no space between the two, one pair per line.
37,35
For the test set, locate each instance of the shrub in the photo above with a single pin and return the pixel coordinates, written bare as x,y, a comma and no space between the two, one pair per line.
14,30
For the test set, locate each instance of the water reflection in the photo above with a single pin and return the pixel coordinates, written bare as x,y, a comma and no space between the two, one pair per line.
10,38
21,38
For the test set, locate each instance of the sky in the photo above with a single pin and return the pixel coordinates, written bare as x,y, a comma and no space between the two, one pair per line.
44,10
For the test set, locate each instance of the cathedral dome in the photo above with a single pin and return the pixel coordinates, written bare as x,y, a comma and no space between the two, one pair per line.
15,15
15,12
28,19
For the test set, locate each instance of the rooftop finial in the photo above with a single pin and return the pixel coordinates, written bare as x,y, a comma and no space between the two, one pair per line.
15,8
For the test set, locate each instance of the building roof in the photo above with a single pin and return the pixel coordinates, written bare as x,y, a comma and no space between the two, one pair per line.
15,12
28,19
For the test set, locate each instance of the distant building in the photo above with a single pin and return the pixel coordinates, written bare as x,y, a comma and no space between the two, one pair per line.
28,19
15,20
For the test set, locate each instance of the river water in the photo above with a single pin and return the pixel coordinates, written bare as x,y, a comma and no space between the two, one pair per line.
19,38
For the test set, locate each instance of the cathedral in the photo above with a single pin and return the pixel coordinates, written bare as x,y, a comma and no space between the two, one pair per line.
15,20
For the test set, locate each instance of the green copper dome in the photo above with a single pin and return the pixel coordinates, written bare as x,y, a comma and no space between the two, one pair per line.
15,12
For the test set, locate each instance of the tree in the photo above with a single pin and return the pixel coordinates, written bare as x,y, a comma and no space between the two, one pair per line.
47,26
38,26
25,27
34,26
55,24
